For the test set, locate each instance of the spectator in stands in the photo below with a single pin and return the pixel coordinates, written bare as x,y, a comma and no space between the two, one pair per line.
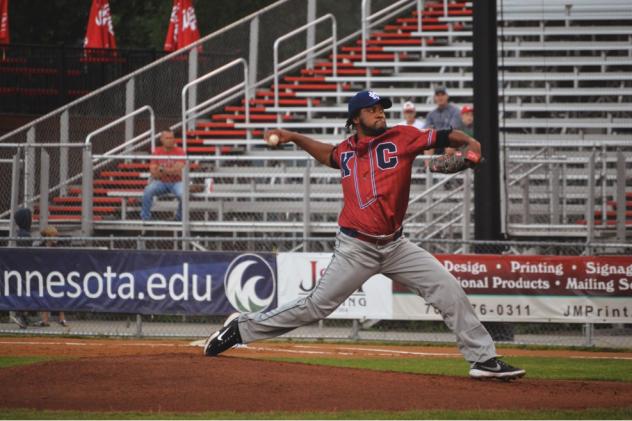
445,116
48,235
467,119
410,116
166,175
23,220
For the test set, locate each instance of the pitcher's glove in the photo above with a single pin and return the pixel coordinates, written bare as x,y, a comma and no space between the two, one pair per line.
458,161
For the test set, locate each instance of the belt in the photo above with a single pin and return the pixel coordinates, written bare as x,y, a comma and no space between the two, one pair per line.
378,241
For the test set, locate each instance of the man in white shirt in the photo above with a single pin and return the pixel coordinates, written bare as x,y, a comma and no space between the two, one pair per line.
410,116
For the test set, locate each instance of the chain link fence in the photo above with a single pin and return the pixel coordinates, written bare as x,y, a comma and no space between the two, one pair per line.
406,331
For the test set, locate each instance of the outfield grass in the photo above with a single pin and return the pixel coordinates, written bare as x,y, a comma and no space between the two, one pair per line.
550,368
612,414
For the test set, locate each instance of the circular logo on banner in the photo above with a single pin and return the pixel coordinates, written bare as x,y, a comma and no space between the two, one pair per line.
249,283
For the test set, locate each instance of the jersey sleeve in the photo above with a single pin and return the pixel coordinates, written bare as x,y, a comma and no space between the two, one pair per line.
335,155
420,140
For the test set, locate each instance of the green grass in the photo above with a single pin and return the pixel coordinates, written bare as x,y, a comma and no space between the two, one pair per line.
610,413
550,368
13,361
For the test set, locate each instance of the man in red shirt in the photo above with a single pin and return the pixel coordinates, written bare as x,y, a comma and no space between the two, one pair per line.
166,175
376,164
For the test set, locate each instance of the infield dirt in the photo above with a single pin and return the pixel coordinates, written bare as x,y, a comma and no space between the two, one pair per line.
106,375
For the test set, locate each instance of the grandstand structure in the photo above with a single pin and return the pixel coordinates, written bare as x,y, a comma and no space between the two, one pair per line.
565,87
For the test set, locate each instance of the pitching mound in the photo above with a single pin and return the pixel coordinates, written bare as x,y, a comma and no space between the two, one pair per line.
181,379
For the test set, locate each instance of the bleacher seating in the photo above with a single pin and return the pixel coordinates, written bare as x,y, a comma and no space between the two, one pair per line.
566,83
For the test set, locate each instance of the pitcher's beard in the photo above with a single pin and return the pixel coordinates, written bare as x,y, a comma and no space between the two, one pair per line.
370,131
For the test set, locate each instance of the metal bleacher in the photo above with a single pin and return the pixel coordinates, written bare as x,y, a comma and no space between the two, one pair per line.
565,84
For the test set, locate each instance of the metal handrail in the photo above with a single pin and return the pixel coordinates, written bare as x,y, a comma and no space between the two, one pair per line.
186,117
434,202
367,19
152,126
435,186
446,225
304,53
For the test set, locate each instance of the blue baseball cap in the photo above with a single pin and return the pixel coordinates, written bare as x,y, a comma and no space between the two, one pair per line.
364,99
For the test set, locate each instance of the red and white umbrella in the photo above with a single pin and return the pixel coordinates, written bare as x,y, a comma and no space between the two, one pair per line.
100,32
4,22
183,29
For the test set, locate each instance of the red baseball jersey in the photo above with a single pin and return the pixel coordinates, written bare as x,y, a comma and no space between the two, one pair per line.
376,176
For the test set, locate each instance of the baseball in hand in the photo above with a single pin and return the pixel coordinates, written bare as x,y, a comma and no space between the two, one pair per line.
273,140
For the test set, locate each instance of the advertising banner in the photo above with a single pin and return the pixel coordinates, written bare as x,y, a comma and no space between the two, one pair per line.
299,274
566,289
145,282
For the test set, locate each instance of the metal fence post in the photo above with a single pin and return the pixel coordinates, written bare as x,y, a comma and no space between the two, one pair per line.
311,31
555,194
620,196
129,108
186,223
588,334
467,206
366,11
253,54
252,69
64,137
86,192
604,182
524,183
590,203
15,194
139,325
306,204
193,74
355,330
29,169
44,186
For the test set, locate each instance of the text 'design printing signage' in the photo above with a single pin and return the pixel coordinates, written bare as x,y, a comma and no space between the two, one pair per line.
569,289
145,282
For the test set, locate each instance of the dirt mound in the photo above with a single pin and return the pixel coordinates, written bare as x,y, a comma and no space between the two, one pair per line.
187,382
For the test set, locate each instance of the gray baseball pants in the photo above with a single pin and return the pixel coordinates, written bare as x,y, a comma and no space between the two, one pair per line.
354,262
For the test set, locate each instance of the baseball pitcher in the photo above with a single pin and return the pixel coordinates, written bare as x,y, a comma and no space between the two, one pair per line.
375,164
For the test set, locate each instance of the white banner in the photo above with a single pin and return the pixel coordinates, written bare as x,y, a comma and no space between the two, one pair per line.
524,308
298,274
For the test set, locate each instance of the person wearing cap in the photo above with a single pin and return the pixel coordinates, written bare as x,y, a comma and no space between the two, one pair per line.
410,116
375,164
467,119
446,115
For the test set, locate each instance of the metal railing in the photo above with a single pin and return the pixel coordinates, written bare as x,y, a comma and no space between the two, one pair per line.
328,43
190,113
151,132
378,17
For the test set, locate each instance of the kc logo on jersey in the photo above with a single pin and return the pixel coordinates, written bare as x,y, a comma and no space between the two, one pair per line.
385,154
249,283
